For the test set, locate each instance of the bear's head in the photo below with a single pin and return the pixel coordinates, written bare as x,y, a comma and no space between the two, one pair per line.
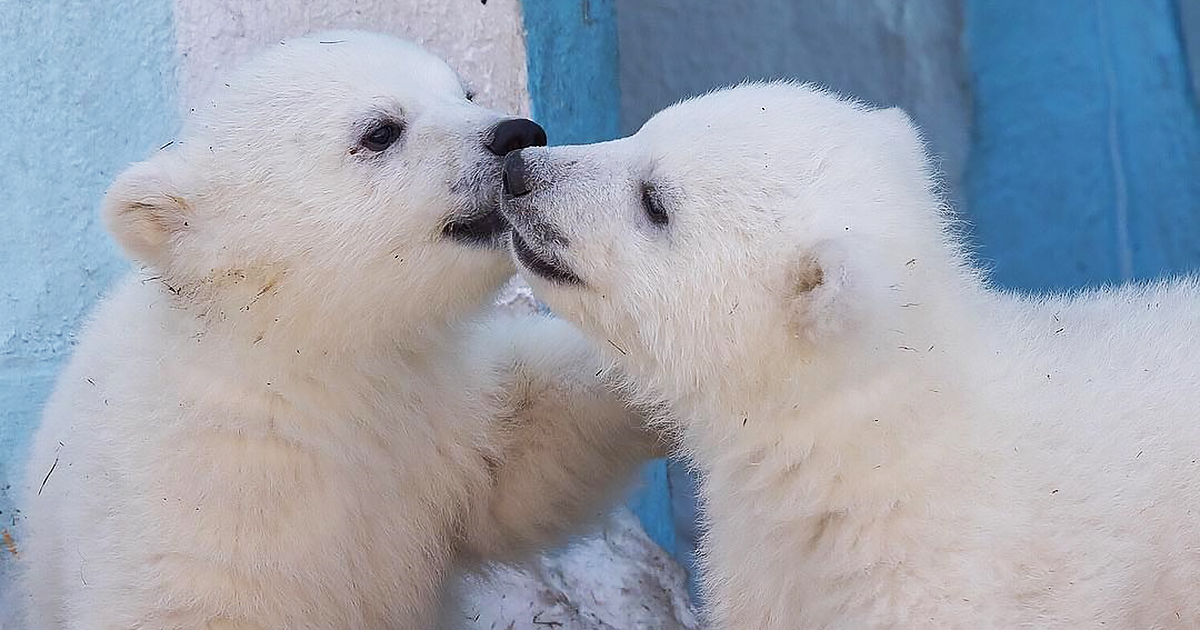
342,180
734,236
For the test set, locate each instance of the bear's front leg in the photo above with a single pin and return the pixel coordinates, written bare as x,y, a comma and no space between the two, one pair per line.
569,446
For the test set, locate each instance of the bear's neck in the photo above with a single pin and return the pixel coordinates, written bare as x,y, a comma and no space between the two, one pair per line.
857,424
259,334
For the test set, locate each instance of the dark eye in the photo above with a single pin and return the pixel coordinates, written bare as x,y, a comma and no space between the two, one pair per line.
381,136
654,207
470,94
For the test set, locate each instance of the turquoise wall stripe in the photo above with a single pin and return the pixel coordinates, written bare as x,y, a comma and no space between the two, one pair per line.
573,87
1085,162
574,93
85,88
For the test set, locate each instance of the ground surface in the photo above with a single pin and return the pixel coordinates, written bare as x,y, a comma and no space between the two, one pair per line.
616,580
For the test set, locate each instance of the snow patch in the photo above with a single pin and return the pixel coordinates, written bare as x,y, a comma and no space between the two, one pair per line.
618,579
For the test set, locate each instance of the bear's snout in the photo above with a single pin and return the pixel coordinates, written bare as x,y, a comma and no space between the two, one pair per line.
515,177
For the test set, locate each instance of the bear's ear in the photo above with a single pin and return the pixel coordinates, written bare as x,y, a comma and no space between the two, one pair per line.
145,209
817,293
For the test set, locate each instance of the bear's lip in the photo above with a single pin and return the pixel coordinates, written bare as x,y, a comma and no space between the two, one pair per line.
484,229
546,268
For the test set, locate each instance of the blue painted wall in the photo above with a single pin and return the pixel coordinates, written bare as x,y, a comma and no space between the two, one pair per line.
84,89
1085,156
574,93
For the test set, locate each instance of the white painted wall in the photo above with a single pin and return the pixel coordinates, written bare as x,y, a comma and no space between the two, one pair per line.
485,43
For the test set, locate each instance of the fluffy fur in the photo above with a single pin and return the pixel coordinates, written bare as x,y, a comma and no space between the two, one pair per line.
884,442
300,414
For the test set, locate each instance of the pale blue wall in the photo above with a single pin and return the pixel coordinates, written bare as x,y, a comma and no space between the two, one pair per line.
85,88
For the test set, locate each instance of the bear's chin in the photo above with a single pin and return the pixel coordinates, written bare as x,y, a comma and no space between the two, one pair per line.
545,268
481,229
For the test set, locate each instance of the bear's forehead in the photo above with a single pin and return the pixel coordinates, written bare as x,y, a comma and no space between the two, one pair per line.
748,117
761,140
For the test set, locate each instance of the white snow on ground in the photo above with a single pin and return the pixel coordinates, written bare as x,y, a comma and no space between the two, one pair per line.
517,297
618,579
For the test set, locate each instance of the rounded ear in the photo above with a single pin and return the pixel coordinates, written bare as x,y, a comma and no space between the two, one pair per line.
145,209
818,293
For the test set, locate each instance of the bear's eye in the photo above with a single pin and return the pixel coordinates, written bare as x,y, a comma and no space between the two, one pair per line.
653,206
470,95
382,136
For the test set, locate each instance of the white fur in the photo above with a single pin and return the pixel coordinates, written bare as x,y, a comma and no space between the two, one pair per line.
884,441
301,414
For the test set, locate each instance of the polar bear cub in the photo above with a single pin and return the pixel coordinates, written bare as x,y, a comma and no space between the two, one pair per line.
884,442
300,414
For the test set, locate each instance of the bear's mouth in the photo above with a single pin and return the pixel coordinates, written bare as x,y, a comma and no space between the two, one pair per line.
542,267
484,229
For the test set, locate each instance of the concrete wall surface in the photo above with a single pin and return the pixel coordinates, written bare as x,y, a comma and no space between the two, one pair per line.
886,52
485,43
87,87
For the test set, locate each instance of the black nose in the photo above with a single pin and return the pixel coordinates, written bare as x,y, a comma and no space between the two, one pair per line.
515,181
516,133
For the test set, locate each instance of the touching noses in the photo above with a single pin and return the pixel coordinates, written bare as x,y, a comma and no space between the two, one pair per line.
514,180
516,133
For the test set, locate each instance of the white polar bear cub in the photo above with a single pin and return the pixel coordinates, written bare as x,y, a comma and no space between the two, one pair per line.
300,415
884,442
